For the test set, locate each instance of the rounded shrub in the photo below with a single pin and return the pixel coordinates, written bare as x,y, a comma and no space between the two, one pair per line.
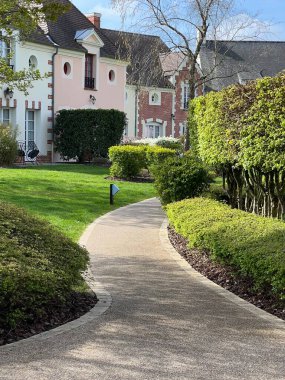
127,161
38,265
178,178
8,145
156,155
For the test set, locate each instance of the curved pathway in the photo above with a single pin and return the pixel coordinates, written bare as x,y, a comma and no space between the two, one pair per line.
165,322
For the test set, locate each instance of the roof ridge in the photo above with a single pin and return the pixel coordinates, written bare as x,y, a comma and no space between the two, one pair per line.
245,41
133,33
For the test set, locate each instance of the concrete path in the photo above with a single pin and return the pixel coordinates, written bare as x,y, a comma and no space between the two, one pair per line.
164,323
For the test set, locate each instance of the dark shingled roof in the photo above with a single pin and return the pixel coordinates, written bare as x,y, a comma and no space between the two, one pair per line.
64,29
239,61
143,52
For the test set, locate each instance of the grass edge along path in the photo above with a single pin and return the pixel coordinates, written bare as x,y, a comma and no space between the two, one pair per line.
69,196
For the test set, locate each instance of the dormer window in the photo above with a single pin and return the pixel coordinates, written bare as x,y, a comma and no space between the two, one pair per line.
90,72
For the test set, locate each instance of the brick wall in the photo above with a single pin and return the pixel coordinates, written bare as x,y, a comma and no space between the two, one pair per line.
160,112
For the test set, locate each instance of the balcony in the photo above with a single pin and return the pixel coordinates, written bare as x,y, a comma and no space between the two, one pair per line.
90,83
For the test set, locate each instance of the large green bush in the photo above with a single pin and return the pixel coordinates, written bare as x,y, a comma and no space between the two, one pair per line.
252,245
38,265
8,145
241,130
127,161
179,178
88,133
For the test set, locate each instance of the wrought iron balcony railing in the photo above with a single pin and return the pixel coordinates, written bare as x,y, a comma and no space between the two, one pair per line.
90,83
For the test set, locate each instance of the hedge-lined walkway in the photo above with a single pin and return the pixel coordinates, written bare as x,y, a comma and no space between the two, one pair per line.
164,323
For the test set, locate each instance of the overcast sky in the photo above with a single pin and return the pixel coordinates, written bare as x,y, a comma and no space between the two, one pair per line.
272,11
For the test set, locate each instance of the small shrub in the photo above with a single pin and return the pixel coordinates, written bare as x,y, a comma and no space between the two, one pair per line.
252,245
179,178
38,265
8,145
127,161
156,155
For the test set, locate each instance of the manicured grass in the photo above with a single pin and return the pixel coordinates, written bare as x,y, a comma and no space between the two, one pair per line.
69,196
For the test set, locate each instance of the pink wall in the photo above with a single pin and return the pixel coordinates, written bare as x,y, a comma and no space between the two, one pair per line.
70,92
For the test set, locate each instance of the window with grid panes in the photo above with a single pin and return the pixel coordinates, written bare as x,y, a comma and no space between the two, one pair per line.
30,128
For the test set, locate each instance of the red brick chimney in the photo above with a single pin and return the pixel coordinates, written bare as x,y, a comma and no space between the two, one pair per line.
95,18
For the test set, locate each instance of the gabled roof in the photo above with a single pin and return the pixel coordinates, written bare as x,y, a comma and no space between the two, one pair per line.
64,31
143,52
240,61
85,34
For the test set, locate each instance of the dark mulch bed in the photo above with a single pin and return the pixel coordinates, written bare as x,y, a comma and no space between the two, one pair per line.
54,315
225,277
141,179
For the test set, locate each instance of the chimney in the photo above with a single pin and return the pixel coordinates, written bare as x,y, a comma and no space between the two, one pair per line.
95,18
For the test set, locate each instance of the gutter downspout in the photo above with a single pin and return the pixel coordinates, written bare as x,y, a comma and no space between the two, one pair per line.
136,111
53,100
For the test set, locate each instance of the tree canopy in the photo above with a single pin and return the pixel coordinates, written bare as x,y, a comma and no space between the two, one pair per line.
18,19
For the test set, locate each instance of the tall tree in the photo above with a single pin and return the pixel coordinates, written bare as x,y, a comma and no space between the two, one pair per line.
185,24
18,19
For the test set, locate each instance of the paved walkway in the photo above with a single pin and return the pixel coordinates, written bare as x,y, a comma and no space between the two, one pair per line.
164,323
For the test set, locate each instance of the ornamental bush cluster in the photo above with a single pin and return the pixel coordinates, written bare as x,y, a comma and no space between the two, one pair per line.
38,266
85,134
178,178
128,161
241,131
253,246
8,145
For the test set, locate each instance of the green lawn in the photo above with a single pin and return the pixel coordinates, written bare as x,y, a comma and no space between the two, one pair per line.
68,196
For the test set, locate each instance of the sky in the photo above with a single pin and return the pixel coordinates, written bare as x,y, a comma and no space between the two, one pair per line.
270,11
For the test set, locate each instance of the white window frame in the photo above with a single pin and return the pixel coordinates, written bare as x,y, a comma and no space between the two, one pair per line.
185,96
152,101
5,121
182,128
27,121
153,130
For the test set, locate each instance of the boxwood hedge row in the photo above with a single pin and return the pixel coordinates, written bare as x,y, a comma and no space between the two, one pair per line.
254,246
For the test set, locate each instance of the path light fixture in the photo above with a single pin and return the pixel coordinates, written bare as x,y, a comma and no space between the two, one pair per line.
92,99
113,191
8,93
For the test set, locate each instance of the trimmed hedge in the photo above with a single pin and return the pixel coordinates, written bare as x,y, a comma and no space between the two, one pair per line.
156,155
178,178
8,145
252,245
88,133
128,160
38,265
241,131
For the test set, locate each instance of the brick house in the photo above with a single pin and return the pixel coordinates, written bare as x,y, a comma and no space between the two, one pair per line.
157,90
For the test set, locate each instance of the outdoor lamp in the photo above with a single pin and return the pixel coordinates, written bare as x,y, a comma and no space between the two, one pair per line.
9,93
92,99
